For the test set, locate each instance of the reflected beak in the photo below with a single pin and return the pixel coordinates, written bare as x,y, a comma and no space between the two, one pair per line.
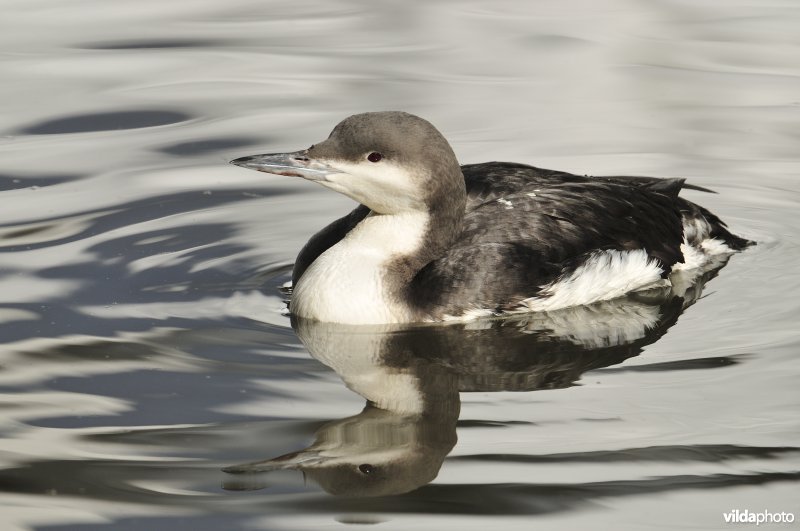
297,164
294,460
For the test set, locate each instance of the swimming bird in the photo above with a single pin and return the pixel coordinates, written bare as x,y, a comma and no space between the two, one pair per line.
432,240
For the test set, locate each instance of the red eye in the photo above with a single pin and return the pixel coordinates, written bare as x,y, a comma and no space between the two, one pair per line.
374,157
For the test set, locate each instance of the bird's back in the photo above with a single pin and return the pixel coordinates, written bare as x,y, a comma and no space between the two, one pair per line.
525,228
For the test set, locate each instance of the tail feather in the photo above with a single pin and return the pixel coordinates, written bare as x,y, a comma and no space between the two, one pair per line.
700,224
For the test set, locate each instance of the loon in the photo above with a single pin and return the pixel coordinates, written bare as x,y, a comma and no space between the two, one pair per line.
432,240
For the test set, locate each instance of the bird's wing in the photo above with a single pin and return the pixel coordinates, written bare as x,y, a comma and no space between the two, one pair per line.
514,244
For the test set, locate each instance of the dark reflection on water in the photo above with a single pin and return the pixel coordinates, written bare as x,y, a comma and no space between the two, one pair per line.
697,453
203,522
96,221
14,182
151,44
209,145
117,481
532,498
105,121
684,365
174,395
103,276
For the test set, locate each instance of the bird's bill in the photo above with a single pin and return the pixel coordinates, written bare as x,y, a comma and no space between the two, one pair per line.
296,164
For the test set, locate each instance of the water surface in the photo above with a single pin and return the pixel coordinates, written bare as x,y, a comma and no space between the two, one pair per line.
144,344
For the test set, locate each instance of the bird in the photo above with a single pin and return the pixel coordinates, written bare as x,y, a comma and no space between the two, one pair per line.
432,240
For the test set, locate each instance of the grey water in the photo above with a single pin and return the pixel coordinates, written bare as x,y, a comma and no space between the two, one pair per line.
145,345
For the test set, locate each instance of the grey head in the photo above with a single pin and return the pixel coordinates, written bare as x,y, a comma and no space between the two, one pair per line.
392,162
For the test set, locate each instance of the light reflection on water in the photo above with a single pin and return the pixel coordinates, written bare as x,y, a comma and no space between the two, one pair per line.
144,348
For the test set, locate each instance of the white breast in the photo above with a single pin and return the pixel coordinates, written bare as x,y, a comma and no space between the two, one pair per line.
343,285
347,283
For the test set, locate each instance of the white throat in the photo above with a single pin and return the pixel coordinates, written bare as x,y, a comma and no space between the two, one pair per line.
348,282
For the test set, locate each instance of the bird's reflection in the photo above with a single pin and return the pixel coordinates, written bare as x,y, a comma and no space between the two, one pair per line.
411,376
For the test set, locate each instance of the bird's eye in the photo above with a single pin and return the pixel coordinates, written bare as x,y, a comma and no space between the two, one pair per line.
374,157
366,469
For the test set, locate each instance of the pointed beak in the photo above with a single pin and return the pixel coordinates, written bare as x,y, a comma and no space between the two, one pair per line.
294,460
297,164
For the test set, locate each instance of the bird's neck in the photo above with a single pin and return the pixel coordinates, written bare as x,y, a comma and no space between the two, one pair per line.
431,238
443,223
